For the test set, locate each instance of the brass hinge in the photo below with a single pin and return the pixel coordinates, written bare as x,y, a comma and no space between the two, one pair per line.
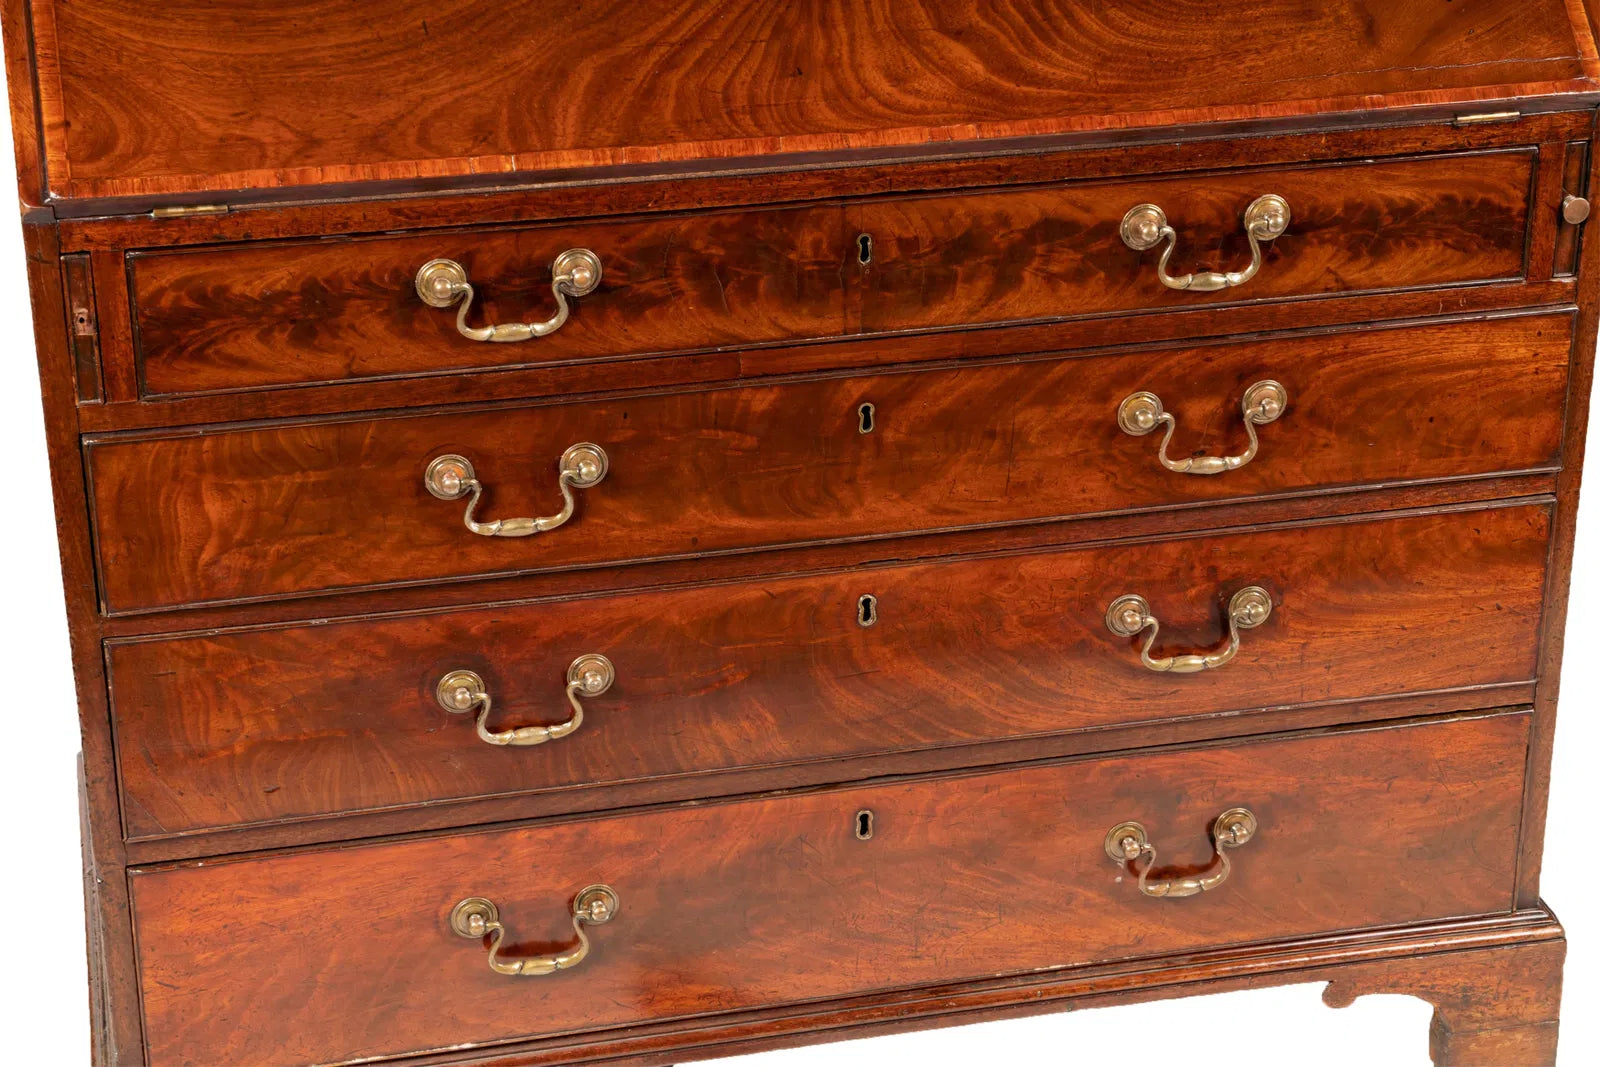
183,211
1486,118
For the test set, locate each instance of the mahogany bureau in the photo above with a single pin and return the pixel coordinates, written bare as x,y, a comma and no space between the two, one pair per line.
628,533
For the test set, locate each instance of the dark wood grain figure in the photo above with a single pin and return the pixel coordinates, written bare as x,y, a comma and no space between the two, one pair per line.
145,103
320,506
866,318
252,317
264,725
961,878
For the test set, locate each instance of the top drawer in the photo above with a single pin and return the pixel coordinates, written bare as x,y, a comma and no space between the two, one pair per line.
295,313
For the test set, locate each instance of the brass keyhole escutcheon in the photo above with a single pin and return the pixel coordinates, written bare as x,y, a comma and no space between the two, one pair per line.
867,610
864,824
866,418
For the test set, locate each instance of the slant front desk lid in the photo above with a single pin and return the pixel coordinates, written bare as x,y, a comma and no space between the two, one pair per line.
176,100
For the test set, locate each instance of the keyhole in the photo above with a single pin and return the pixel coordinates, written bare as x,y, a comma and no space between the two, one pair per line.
864,824
868,414
867,610
864,248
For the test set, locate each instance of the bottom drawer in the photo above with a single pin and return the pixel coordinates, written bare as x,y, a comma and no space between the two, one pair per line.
340,954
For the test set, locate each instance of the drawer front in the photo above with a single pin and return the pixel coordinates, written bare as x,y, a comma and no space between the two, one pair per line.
304,508
1054,252
261,316
257,317
284,723
335,955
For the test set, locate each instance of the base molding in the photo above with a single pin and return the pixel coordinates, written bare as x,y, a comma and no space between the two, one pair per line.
1494,981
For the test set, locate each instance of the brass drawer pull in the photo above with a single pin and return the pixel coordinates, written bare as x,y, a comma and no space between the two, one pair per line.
443,282
461,691
1140,413
1145,226
1127,615
1128,843
452,477
477,917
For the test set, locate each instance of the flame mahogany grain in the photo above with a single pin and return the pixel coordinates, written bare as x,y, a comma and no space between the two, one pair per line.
224,729
253,317
319,506
335,955
141,100
1436,318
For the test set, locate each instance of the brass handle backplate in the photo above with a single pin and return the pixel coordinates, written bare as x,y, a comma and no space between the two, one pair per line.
460,691
1129,614
1129,843
452,477
443,282
1146,225
1140,414
477,917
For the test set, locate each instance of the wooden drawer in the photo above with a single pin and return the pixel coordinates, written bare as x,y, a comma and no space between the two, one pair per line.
263,316
284,723
294,508
332,956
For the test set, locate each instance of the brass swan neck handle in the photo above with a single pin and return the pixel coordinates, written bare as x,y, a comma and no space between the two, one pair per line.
1142,412
479,917
442,282
460,691
1146,225
1130,614
1128,843
452,477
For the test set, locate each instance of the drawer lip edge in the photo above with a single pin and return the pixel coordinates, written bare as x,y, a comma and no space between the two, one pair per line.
1522,692
1524,711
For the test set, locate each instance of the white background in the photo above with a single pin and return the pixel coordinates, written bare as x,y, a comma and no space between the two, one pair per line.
43,992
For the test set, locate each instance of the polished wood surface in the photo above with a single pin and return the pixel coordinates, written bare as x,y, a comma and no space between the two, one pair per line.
1362,227
345,954
258,316
254,317
1436,317
330,505
1555,137
222,729
1499,1009
138,100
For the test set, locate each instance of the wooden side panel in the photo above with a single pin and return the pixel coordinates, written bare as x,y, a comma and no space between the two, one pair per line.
24,101
336,955
263,725
259,317
302,508
192,96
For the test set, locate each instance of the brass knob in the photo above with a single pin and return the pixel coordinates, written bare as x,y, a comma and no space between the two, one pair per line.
1574,210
